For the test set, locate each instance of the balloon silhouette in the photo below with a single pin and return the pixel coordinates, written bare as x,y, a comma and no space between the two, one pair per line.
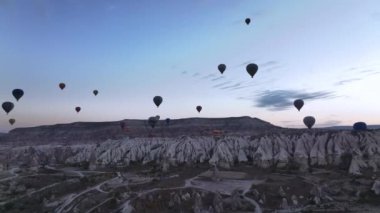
95,92
309,121
12,121
152,121
222,68
17,93
8,106
252,69
77,109
62,86
360,126
122,125
199,108
157,100
298,104
247,21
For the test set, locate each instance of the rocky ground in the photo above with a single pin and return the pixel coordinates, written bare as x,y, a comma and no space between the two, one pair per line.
203,188
93,167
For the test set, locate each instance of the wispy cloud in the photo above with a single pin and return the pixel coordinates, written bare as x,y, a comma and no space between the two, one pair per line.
218,78
278,100
209,76
329,123
343,82
221,84
196,74
268,64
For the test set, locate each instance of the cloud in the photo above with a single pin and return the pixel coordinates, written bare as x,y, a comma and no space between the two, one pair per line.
209,76
218,78
340,83
278,100
196,74
268,64
329,123
232,86
184,72
221,84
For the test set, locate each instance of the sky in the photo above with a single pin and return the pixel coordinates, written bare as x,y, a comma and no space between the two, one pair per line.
326,52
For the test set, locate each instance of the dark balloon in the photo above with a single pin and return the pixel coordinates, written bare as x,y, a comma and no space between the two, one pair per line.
157,117
298,104
77,109
152,121
167,121
157,100
222,68
247,21
309,121
95,92
122,125
8,106
12,121
252,69
62,86
360,126
18,93
199,108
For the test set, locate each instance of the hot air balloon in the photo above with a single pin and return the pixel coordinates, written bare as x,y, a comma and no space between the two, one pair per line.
360,126
309,121
95,92
252,69
8,106
167,121
298,104
157,117
157,100
122,125
12,121
18,93
199,108
222,68
62,86
77,109
247,21
152,121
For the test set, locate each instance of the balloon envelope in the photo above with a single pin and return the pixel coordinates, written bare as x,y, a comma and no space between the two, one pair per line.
122,125
8,106
18,93
12,121
222,68
252,69
62,86
95,92
77,109
152,121
298,104
309,121
247,21
199,108
360,126
157,100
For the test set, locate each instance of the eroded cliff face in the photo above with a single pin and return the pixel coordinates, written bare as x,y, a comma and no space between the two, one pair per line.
355,151
98,132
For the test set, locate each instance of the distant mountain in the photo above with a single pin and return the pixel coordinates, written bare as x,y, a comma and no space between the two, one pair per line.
350,127
94,132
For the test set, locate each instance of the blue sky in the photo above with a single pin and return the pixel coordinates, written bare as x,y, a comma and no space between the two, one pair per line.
324,51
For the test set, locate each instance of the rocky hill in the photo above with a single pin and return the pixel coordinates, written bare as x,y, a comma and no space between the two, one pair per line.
95,132
352,150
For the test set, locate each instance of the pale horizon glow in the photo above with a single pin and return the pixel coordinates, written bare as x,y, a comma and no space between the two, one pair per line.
133,50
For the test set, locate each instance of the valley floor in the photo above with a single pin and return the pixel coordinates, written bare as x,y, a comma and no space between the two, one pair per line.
200,188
